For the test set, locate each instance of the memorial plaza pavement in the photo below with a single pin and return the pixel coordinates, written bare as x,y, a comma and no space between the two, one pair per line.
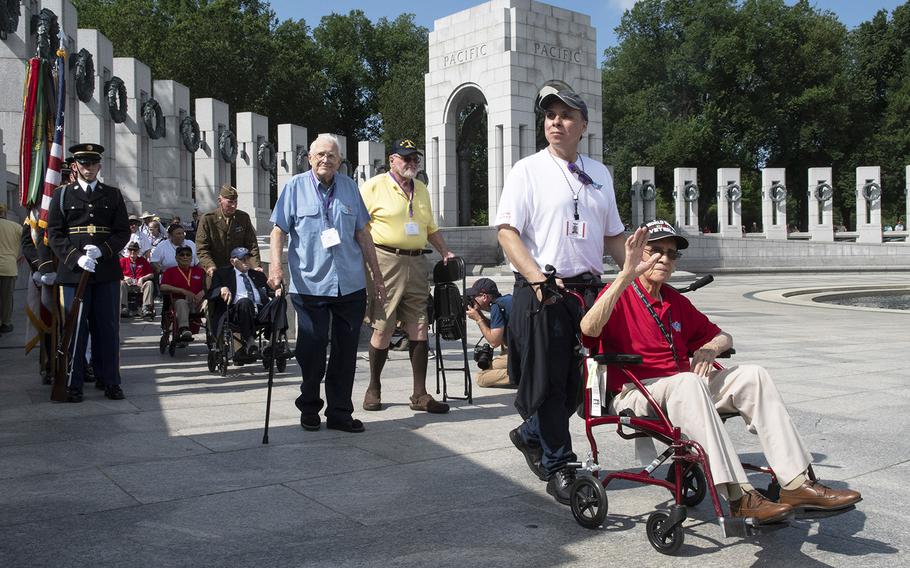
176,474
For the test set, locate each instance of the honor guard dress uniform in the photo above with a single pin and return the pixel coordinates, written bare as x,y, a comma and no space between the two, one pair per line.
87,228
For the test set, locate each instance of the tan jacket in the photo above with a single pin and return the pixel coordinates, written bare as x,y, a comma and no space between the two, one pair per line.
217,236
10,238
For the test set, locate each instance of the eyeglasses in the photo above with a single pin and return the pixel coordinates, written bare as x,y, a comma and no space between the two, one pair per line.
582,176
184,254
409,158
669,253
327,156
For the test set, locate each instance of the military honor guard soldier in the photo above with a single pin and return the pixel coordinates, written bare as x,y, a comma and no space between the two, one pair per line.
87,228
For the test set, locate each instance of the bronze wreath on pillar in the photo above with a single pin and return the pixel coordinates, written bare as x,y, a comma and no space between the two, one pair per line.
268,157
227,145
84,65
9,17
189,133
153,119
47,27
115,91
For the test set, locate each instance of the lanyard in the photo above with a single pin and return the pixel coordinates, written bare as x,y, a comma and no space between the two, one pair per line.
188,277
133,269
660,324
325,199
410,197
575,194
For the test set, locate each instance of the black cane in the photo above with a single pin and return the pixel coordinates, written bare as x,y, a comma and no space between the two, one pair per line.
282,305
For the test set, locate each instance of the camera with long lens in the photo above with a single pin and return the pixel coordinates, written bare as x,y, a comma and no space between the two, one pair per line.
483,356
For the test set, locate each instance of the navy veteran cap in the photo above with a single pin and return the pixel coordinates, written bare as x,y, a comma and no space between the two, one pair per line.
660,229
87,152
549,94
240,252
405,147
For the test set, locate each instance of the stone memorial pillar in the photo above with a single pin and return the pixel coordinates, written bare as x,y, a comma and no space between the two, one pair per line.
869,204
172,161
95,122
68,19
644,195
821,198
254,164
729,203
685,195
292,153
907,198
134,156
212,165
15,49
371,156
774,203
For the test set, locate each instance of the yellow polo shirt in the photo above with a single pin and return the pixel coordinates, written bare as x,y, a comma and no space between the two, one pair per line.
387,204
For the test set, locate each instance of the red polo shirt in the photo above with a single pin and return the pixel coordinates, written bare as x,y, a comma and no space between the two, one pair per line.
632,329
192,280
137,270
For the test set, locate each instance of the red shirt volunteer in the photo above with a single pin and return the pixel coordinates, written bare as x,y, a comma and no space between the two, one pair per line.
192,279
135,270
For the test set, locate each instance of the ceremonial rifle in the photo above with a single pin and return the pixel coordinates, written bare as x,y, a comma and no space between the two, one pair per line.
62,363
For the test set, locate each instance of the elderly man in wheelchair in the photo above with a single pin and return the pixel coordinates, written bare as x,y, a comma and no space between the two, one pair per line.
241,299
638,314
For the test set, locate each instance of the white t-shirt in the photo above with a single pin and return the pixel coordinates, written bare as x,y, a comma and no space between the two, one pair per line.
537,201
165,253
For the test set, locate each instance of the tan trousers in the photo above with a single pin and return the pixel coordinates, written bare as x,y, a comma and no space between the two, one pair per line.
148,291
182,312
692,403
497,375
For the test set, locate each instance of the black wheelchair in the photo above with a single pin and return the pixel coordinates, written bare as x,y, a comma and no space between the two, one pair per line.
170,335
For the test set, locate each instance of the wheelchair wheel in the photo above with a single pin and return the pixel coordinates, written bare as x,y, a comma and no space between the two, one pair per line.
212,362
588,500
670,542
695,486
162,343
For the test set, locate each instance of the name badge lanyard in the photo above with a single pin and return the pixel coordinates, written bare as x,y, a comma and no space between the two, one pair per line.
325,199
410,196
660,324
575,194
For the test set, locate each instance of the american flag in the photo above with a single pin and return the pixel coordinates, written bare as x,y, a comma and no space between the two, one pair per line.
55,163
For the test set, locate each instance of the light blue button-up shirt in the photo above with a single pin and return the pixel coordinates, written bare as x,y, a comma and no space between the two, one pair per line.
301,213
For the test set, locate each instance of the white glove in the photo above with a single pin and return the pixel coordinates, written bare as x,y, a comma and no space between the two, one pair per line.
49,278
37,277
86,262
92,251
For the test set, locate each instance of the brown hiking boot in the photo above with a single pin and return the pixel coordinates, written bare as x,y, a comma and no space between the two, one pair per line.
814,496
753,504
372,400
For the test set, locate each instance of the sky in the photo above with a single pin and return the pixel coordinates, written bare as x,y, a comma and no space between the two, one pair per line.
605,14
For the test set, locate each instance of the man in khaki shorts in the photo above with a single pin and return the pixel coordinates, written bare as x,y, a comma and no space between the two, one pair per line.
401,224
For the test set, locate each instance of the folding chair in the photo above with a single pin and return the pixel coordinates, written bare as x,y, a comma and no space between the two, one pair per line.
450,321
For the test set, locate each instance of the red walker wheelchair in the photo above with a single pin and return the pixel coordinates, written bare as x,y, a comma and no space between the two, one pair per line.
688,479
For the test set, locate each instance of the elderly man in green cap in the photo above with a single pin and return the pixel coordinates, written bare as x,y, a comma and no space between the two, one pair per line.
223,230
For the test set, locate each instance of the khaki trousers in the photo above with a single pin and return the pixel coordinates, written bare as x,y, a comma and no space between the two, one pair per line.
497,375
148,291
692,403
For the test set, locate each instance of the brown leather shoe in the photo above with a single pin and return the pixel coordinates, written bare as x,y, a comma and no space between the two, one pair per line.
427,403
814,496
753,504
372,400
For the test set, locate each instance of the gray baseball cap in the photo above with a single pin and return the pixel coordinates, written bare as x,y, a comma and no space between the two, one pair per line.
548,94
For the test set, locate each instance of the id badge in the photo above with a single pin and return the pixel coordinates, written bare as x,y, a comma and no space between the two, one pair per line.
330,238
411,229
576,229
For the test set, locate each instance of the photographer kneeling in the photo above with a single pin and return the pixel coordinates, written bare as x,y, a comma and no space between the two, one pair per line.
485,296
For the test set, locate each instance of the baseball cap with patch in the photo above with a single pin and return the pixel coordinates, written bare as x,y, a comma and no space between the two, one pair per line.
660,229
549,94
405,147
